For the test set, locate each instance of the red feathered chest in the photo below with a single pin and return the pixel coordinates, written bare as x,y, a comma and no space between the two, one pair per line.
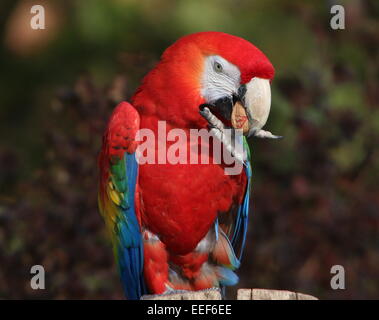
179,202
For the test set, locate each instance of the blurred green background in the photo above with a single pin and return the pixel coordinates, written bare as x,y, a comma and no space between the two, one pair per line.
315,193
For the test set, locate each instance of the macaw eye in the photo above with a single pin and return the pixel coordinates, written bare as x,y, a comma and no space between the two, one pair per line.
217,66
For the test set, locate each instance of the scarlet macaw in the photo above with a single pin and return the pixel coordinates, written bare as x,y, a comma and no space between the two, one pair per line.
183,226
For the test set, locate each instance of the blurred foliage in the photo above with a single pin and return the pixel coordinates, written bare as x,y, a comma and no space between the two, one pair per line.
315,192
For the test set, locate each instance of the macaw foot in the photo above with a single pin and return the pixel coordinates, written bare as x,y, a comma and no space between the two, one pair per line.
266,135
224,134
205,294
175,291
169,293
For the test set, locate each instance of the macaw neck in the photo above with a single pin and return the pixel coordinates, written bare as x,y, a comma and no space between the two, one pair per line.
175,107
171,91
163,112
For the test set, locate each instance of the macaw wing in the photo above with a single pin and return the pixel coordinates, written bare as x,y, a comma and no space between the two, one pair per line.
234,223
118,183
239,233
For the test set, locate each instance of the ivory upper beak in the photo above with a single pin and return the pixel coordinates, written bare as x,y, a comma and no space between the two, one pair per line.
257,103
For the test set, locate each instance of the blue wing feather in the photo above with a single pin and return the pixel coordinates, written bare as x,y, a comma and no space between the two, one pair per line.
240,229
130,245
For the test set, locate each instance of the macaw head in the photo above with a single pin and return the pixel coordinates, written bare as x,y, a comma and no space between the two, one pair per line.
225,76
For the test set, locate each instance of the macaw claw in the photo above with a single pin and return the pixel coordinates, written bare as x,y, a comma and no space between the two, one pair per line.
266,135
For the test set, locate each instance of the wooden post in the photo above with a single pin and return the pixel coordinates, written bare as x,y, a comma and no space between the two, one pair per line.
242,294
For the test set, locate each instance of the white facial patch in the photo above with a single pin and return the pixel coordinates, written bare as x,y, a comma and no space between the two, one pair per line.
220,78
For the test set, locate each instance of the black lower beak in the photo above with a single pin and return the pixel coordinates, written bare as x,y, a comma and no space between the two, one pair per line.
223,107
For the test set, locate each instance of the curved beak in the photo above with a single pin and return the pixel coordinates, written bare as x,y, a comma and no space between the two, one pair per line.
248,110
257,103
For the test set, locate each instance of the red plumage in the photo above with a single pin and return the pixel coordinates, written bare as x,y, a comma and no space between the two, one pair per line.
182,201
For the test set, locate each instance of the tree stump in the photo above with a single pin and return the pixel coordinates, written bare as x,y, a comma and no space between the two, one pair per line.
207,294
242,294
268,294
